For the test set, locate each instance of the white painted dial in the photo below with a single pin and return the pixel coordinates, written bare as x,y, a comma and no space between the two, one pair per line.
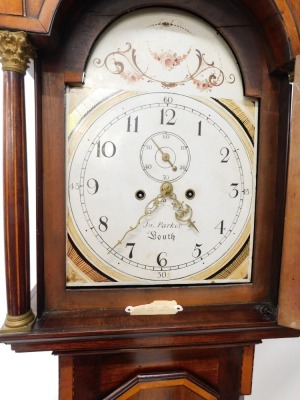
122,153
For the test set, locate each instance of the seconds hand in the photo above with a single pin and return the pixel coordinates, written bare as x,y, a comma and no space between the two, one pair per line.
165,156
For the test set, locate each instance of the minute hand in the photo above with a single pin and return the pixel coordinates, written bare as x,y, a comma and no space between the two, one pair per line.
149,209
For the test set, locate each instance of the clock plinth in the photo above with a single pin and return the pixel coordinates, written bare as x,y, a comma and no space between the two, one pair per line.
164,373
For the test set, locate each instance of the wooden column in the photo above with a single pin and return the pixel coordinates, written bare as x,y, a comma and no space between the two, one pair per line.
15,52
289,295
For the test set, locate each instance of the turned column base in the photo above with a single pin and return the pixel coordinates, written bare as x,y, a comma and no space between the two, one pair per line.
18,323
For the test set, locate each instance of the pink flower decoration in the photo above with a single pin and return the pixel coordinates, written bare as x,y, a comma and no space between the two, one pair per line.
203,85
131,77
168,59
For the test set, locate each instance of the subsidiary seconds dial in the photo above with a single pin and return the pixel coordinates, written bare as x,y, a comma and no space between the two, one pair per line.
140,143
165,156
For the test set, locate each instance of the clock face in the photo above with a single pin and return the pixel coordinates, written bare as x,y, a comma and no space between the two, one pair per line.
160,182
121,216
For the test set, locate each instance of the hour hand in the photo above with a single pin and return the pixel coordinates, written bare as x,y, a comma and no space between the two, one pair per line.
183,212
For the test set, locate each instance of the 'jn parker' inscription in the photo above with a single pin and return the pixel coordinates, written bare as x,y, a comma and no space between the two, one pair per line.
162,225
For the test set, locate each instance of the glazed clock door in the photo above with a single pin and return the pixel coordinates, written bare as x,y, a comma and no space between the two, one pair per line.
166,192
161,162
162,144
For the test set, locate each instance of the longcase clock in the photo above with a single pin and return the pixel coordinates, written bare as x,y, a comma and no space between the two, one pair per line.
166,178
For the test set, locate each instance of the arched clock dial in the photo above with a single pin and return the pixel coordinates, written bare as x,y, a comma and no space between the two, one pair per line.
127,225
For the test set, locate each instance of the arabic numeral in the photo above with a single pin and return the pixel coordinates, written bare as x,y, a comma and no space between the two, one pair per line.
168,100
221,227
197,251
92,186
74,186
225,154
103,224
107,149
167,117
234,192
131,251
132,124
161,259
162,275
200,128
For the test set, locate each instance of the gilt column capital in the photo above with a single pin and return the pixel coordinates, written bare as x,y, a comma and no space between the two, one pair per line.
15,51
